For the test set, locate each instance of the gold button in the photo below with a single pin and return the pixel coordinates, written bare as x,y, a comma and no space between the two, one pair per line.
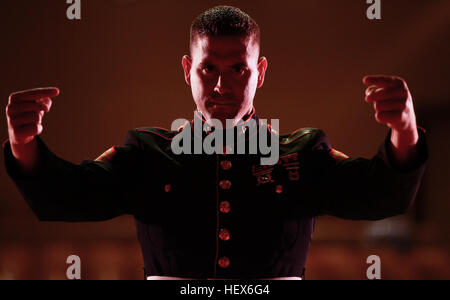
225,207
279,189
225,184
224,234
224,262
226,165
167,188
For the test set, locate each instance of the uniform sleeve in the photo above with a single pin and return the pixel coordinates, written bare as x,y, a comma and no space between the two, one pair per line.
91,191
365,189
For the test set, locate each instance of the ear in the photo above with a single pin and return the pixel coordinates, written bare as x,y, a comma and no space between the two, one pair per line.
186,62
262,67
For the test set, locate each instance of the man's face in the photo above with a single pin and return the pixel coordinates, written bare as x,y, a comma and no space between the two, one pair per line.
224,73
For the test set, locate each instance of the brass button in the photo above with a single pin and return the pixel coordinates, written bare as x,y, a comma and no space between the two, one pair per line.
224,234
167,188
225,165
224,262
225,207
279,189
225,184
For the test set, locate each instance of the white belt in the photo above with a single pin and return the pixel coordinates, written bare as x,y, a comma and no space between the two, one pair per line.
180,278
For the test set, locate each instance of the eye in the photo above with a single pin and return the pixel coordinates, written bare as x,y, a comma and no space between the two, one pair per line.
206,69
240,70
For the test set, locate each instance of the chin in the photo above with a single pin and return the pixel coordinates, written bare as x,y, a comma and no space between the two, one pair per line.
223,116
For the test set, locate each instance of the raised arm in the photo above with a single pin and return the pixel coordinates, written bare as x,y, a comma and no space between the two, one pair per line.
56,189
394,107
24,114
386,185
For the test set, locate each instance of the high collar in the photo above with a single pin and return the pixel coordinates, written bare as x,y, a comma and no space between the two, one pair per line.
243,127
198,115
249,133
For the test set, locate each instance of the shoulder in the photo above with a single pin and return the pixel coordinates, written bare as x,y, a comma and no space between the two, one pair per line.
149,136
155,133
310,137
138,139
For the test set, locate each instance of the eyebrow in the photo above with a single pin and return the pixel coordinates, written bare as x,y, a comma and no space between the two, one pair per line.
208,63
239,65
205,64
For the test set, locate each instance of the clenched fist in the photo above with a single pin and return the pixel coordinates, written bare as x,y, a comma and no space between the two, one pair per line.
393,106
24,113
392,101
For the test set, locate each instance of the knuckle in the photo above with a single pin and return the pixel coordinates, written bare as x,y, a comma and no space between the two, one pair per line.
404,94
12,123
404,85
12,109
49,105
403,116
378,106
397,79
11,97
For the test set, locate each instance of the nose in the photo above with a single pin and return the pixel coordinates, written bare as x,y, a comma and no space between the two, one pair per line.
221,87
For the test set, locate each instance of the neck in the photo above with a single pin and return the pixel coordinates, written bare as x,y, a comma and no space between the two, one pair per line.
234,122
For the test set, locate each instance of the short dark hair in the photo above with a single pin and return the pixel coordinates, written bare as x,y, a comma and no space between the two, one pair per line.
224,21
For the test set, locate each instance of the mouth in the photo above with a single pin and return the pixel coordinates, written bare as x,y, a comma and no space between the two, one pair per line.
216,103
221,103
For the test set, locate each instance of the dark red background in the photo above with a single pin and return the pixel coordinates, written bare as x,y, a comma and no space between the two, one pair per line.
119,68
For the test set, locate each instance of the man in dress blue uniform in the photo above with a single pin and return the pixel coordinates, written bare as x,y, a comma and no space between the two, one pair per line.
221,215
